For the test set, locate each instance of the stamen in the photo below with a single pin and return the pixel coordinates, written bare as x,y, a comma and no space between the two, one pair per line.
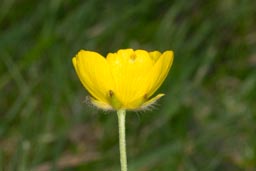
111,93
145,96
133,56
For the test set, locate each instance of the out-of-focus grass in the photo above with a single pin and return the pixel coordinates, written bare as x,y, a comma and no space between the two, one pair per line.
206,121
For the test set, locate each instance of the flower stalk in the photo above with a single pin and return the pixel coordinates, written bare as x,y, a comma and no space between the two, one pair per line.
122,144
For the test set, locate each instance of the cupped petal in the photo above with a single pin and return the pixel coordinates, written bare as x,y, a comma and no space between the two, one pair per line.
130,73
155,55
94,73
159,72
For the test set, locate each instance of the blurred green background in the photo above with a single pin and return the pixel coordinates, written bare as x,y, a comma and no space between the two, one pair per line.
206,121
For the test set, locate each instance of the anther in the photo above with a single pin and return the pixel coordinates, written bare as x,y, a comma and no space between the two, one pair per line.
133,56
145,96
111,93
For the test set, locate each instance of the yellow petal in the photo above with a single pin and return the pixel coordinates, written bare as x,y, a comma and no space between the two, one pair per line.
124,80
159,72
94,73
155,55
130,73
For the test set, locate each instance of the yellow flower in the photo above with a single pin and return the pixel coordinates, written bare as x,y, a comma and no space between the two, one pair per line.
123,80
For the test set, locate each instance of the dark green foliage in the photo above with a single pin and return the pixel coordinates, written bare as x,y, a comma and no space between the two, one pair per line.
206,121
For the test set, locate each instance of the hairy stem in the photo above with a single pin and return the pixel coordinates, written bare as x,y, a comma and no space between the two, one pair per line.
122,145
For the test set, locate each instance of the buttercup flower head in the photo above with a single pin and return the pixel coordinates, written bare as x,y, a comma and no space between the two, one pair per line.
123,80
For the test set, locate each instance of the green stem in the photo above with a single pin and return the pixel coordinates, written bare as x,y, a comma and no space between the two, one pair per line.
122,146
